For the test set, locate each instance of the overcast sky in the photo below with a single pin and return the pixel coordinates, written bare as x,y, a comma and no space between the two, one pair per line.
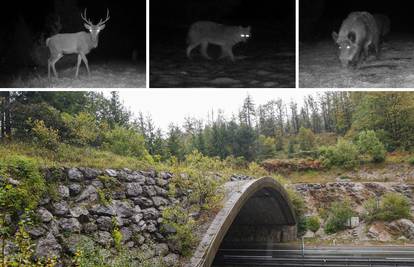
172,106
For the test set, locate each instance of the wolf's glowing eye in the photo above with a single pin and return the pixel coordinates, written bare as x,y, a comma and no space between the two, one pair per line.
243,35
348,47
247,35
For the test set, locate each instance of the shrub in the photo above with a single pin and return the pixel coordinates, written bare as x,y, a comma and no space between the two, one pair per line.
313,223
125,142
391,206
177,218
338,215
83,128
395,206
23,185
117,236
368,143
411,160
306,139
199,179
44,136
299,208
343,154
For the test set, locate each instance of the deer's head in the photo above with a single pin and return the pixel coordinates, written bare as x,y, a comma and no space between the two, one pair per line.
94,29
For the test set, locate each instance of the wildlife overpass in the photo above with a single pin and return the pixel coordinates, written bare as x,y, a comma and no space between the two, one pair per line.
253,212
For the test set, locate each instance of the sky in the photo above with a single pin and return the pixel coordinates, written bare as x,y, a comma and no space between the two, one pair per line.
168,106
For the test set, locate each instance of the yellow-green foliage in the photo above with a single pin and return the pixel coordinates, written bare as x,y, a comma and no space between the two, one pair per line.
126,142
117,236
104,197
24,249
89,254
28,188
343,154
179,219
313,223
83,128
338,215
369,144
196,174
391,206
45,136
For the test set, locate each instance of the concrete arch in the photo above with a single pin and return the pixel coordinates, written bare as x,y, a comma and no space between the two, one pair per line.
237,196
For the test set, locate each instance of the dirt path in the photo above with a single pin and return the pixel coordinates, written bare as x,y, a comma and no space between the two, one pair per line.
112,75
320,67
261,66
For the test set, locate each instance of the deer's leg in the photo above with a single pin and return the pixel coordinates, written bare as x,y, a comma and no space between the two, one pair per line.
78,65
52,62
86,63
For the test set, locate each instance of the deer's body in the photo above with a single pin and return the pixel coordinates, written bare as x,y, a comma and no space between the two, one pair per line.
71,43
80,43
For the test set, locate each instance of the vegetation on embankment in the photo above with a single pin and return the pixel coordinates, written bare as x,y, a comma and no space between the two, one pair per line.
332,136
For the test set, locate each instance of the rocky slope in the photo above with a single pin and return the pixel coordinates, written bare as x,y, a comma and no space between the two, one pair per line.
318,197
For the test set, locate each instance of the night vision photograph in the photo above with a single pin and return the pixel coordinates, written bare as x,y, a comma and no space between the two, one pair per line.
356,44
216,44
73,44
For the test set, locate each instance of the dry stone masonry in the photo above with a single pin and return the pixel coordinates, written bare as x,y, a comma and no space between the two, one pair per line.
134,203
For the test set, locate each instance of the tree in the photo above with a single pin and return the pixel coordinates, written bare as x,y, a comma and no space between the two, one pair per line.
174,145
306,139
247,113
389,113
368,143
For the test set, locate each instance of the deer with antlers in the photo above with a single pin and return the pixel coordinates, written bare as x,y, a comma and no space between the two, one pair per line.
80,43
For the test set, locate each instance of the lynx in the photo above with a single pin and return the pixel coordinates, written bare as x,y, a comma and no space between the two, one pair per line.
207,32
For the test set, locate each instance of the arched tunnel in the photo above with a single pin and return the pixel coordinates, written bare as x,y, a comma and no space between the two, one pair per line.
256,214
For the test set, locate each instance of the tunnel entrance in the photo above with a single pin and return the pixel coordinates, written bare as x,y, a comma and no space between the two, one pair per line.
264,222
255,213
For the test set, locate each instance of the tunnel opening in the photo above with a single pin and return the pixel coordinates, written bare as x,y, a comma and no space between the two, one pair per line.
265,221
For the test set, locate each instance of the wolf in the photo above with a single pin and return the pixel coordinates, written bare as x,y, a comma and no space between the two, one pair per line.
358,33
207,32
384,25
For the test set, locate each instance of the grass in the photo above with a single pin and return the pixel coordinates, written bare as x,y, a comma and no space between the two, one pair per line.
320,67
70,156
104,75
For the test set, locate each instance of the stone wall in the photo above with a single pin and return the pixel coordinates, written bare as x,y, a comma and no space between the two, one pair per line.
89,202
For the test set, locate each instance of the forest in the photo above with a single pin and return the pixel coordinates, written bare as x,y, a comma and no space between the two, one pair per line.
275,130
43,131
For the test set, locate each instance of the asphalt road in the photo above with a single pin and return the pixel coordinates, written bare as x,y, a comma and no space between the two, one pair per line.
317,256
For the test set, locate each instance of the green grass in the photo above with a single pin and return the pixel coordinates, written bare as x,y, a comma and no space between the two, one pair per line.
70,156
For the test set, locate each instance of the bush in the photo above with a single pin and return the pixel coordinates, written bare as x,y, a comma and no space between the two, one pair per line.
343,154
306,139
395,206
199,179
411,161
313,223
368,143
83,128
44,136
338,215
299,208
125,142
391,206
179,219
22,186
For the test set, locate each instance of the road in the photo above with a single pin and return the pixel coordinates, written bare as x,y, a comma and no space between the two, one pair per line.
317,256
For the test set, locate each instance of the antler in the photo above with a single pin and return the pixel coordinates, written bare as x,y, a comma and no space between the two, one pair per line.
83,16
107,18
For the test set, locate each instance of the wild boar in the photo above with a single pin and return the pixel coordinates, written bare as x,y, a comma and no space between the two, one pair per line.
358,33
